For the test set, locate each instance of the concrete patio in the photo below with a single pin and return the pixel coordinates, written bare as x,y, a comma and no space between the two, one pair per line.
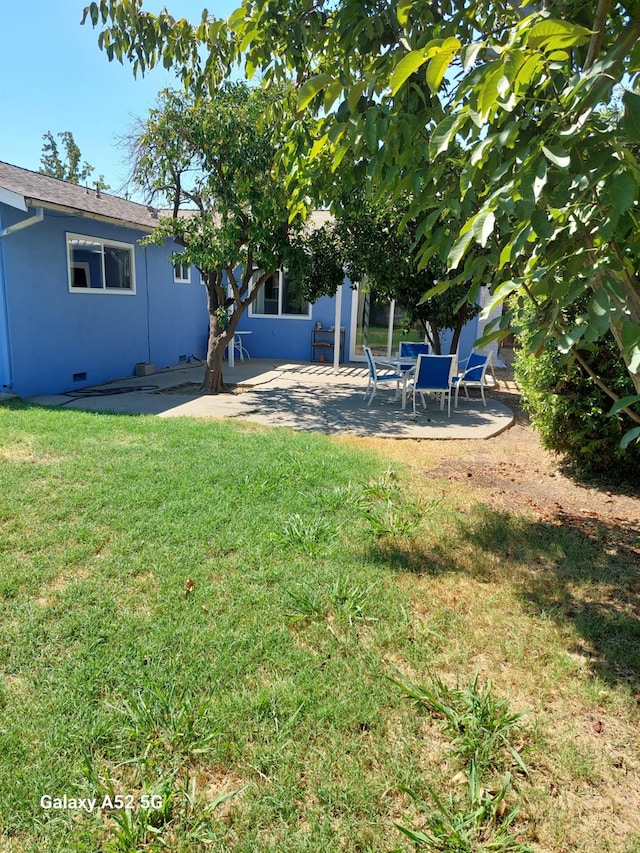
302,396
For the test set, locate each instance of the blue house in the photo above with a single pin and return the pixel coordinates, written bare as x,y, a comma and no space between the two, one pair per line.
82,302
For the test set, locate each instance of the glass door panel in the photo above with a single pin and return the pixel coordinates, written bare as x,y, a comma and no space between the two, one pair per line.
374,319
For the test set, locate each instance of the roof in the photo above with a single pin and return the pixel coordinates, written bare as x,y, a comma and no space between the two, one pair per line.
40,190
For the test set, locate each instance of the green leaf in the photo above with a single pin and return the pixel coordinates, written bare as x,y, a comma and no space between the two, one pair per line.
505,255
402,11
459,248
553,34
443,134
406,67
634,59
318,146
311,88
332,93
630,334
622,190
470,52
483,225
488,92
355,94
568,340
631,120
528,71
439,64
436,290
624,402
339,156
556,155
541,224
628,437
601,303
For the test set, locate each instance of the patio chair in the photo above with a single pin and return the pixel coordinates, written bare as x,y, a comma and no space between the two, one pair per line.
433,375
412,349
239,347
473,376
375,377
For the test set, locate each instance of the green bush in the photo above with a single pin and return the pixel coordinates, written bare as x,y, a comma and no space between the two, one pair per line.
570,411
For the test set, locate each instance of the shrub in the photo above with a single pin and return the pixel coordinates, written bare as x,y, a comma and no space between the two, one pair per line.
570,411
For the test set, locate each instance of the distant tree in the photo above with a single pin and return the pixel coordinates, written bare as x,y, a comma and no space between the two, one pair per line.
67,168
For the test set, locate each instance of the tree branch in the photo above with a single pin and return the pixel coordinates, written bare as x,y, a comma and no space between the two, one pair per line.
599,22
601,385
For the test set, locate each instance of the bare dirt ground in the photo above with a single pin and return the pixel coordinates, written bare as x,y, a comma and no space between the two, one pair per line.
515,471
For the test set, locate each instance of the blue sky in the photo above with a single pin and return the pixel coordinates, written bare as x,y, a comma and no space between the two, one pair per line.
54,77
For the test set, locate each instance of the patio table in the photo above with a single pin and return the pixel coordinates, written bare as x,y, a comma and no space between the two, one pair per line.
403,365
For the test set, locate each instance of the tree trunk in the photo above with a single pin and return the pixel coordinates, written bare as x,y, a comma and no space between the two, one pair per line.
455,340
220,334
213,382
434,338
222,326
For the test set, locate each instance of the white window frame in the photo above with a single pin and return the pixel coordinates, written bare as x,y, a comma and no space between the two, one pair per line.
281,273
178,273
71,265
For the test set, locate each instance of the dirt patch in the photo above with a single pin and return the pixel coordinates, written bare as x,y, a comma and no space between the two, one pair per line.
25,454
55,587
512,469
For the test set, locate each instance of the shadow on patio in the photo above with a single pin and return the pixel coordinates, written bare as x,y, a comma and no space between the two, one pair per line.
300,396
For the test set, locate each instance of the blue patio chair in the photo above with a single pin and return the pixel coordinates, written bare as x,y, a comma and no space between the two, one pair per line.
473,376
433,375
412,349
375,377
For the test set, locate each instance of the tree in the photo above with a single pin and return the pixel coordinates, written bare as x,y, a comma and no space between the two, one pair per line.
68,169
213,163
376,249
365,242
510,95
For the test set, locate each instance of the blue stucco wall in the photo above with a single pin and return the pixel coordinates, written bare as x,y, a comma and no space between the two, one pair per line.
289,338
55,334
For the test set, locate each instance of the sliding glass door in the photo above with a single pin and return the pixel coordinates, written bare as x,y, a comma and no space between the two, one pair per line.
379,325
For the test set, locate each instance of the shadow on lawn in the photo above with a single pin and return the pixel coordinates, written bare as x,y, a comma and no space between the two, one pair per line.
579,570
569,568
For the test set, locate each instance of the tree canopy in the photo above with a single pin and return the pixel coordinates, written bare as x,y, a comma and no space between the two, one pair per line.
365,241
212,163
511,95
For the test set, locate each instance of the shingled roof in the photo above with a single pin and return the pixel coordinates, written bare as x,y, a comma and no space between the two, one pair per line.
40,190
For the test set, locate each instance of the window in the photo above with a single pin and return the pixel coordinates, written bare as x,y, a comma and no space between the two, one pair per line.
181,273
280,296
97,266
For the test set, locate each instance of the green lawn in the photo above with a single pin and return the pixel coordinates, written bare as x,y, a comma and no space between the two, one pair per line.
192,609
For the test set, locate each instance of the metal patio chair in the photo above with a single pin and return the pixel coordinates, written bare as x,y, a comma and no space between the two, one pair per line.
375,377
473,376
433,375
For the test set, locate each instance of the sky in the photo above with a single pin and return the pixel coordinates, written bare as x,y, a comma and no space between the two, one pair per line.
53,77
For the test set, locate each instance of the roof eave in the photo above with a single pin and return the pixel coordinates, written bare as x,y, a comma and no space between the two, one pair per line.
13,199
88,214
